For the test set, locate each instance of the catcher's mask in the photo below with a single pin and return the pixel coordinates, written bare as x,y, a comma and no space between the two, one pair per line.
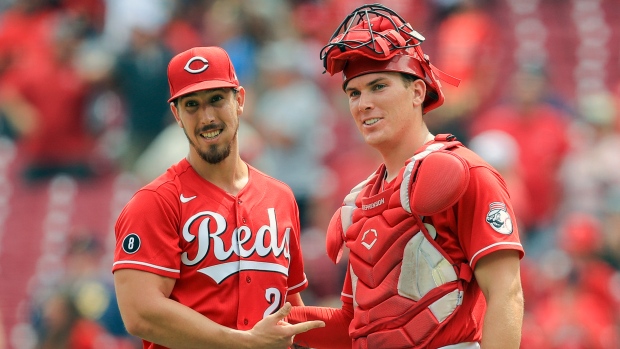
373,39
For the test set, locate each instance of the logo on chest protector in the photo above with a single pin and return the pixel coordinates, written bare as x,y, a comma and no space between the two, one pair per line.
369,238
499,219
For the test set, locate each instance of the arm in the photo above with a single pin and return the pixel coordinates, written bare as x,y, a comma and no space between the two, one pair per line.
335,334
500,281
20,114
295,300
149,314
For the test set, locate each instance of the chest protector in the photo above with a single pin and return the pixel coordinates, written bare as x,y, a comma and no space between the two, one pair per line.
405,287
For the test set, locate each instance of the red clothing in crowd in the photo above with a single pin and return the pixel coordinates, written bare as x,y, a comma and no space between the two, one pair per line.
543,142
57,94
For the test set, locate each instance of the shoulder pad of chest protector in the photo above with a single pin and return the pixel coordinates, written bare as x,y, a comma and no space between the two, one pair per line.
341,220
434,183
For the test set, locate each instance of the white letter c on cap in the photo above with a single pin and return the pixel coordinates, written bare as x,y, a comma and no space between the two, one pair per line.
196,71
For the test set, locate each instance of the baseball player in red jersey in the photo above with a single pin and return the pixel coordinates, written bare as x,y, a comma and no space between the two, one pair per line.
208,255
434,248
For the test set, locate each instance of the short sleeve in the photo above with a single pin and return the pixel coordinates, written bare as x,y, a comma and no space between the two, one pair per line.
297,280
147,235
486,220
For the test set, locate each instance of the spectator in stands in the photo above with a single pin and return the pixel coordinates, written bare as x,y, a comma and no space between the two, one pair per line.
242,29
501,151
611,228
44,97
91,13
121,16
182,31
140,76
580,307
80,310
92,285
541,133
24,31
591,169
288,116
19,36
59,325
468,47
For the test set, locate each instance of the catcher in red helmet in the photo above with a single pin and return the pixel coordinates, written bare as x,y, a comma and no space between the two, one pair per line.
434,247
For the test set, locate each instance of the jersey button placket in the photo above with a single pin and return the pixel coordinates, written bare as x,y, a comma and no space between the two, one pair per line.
248,279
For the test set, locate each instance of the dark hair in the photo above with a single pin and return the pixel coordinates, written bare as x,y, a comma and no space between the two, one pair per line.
408,79
176,100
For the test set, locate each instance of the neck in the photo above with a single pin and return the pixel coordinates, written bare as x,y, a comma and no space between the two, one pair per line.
231,174
394,158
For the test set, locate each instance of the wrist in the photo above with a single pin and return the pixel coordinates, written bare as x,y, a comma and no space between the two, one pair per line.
238,339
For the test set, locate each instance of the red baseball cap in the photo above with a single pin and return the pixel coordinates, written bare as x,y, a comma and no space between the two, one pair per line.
200,68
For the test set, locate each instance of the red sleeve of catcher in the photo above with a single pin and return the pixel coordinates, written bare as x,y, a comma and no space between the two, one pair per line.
335,334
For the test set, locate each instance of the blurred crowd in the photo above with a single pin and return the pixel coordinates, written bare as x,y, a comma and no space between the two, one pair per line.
83,93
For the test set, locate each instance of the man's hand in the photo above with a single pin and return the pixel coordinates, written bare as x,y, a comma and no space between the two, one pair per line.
274,332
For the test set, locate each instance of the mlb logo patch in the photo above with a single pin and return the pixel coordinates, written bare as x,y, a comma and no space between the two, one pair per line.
499,219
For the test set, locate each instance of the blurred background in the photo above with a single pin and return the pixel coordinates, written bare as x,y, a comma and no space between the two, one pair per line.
84,123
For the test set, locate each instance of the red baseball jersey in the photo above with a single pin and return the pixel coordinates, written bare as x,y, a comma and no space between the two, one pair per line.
234,258
480,223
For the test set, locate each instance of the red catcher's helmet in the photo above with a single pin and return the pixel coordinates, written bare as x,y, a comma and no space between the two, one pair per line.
374,39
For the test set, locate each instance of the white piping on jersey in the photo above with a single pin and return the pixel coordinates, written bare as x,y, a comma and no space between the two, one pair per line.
299,284
148,265
473,258
221,271
468,345
346,295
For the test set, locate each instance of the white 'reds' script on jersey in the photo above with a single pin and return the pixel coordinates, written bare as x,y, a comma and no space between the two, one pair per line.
240,238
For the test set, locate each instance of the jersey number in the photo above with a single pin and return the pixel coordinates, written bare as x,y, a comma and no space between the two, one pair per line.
273,297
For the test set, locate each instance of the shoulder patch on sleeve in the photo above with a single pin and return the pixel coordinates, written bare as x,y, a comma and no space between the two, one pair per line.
131,243
499,219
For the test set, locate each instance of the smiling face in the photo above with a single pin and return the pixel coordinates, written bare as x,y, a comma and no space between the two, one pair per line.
210,120
386,108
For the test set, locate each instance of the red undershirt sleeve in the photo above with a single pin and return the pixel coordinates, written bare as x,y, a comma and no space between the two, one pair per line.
335,334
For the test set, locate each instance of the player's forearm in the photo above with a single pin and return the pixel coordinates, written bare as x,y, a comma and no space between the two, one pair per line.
171,324
148,313
335,334
503,322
